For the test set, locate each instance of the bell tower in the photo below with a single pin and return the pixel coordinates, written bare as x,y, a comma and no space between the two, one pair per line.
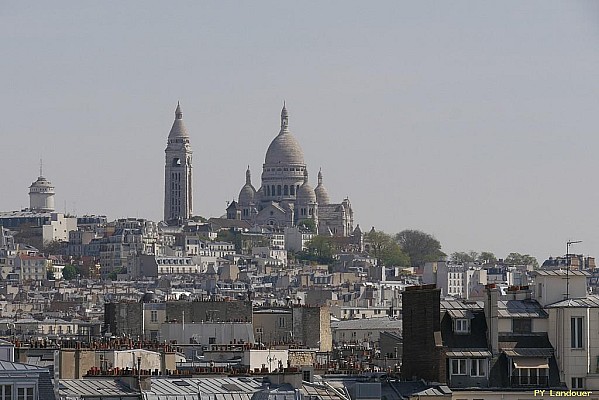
178,188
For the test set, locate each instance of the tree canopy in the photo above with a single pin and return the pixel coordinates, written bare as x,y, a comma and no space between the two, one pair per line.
461,257
309,224
486,257
320,249
420,247
521,259
386,250
69,272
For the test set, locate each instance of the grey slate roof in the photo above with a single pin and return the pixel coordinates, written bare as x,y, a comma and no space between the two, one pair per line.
461,305
591,301
13,366
382,323
528,352
460,314
220,388
483,353
95,387
561,272
520,309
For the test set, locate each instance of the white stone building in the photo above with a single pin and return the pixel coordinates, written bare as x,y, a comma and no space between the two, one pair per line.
454,280
41,195
285,197
178,180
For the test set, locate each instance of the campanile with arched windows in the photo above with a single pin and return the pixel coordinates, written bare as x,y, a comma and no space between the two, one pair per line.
178,187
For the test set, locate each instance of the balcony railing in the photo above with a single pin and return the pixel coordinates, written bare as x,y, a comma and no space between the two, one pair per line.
542,381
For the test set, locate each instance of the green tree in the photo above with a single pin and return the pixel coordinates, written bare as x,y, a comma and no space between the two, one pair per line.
392,255
461,257
486,257
420,247
521,259
318,250
308,224
377,241
69,272
388,252
230,236
53,247
321,246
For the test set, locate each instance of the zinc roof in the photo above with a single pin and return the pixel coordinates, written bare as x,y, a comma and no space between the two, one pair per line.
94,387
520,309
469,353
591,301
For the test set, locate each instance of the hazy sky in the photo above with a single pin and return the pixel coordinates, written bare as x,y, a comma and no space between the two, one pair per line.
473,121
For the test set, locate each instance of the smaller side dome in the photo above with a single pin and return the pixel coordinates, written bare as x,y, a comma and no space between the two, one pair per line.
306,194
322,196
248,192
246,195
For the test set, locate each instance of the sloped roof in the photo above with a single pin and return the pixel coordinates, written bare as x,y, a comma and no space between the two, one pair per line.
520,309
13,366
94,387
590,301
370,323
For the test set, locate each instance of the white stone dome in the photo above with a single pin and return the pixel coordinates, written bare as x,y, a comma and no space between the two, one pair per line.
284,149
247,194
178,129
305,193
322,196
42,183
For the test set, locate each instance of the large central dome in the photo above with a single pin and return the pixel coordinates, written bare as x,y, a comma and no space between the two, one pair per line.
284,149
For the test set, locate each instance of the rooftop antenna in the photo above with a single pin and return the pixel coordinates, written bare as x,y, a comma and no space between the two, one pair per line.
41,167
568,243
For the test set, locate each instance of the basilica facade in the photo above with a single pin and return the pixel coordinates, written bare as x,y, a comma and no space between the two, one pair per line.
285,197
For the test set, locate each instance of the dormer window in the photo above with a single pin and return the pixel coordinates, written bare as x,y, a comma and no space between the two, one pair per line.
461,326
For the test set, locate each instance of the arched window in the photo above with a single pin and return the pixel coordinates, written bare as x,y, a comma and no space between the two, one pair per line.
292,190
286,190
272,190
268,190
278,190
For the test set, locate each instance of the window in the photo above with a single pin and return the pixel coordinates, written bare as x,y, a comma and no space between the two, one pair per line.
458,366
461,325
25,393
211,340
477,367
576,325
259,330
521,325
281,322
5,392
153,316
306,375
577,383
